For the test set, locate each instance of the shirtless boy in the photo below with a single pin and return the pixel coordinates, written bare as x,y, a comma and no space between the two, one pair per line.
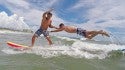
80,31
45,23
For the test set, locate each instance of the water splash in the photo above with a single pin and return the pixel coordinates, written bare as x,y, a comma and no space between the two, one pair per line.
77,49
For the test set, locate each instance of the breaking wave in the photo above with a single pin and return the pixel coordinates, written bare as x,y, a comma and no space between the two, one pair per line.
78,49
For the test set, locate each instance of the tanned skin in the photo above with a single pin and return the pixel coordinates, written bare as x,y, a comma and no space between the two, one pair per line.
45,23
72,29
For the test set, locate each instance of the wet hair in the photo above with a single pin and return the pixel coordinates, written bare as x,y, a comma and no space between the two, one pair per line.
49,13
60,25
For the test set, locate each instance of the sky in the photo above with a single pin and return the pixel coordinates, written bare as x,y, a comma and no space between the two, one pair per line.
108,15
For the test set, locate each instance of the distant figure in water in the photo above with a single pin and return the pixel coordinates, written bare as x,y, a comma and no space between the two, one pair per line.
80,31
45,23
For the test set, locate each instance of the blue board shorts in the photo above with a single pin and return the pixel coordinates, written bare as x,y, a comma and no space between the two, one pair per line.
81,32
41,31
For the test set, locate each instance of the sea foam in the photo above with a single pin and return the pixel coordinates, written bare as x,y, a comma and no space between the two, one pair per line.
78,49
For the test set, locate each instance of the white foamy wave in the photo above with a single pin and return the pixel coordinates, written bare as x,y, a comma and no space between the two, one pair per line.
13,32
77,50
66,38
91,50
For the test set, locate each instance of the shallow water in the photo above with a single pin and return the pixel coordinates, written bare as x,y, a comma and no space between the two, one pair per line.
65,54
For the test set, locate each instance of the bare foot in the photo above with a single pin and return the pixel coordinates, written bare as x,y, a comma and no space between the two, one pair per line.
106,34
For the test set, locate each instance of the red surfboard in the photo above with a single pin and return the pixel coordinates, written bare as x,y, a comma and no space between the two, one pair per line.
17,46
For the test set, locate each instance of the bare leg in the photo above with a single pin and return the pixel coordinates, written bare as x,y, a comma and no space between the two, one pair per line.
103,33
49,40
106,34
33,40
92,34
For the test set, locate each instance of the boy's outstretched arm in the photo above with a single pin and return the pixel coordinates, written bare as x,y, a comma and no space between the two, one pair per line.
57,30
51,26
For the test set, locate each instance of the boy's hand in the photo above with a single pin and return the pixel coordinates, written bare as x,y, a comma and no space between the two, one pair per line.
55,27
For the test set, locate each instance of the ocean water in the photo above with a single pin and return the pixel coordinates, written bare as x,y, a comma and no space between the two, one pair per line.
65,54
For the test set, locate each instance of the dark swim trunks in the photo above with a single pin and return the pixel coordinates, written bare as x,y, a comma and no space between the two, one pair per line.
41,31
81,32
